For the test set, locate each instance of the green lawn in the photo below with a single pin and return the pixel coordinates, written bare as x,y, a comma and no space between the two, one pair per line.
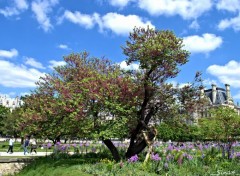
103,165
81,166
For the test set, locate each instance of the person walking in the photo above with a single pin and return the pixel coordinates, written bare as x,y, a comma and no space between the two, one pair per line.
33,146
25,145
10,148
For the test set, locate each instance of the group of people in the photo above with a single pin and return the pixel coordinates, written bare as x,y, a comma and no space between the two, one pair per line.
27,142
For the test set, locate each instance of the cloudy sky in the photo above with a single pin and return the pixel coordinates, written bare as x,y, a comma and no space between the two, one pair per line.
36,34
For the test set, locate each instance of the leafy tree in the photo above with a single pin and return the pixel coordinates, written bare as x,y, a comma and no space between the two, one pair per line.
4,111
179,131
10,124
159,54
77,97
223,125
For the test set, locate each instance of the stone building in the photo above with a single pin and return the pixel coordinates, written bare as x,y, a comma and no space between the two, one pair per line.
220,97
11,103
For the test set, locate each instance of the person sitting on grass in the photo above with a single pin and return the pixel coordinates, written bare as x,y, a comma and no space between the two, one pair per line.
10,148
33,146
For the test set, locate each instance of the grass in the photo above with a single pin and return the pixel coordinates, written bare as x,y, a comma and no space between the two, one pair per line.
202,162
86,165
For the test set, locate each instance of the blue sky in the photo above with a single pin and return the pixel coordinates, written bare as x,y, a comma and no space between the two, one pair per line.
36,34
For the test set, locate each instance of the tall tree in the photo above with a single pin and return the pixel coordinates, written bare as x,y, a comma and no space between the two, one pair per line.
159,54
78,97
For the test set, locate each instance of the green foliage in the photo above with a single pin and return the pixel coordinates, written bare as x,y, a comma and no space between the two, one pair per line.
102,165
178,131
222,125
4,112
76,98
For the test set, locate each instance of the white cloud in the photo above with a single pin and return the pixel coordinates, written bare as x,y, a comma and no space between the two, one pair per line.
120,3
21,4
117,23
122,25
54,63
133,66
202,44
17,7
187,9
32,62
41,9
209,82
194,25
227,23
63,46
8,54
227,74
229,5
18,76
78,18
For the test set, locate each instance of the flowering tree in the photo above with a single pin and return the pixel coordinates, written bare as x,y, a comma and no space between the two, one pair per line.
78,98
88,97
159,53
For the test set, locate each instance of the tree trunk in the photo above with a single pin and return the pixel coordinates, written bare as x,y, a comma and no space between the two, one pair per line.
229,147
22,140
113,149
137,146
136,149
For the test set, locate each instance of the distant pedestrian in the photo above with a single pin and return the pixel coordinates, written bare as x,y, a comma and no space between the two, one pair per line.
10,148
25,145
33,146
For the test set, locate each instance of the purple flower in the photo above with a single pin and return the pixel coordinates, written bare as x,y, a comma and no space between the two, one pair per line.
237,155
49,145
63,147
168,157
133,159
190,157
190,146
206,146
74,145
155,157
58,143
170,148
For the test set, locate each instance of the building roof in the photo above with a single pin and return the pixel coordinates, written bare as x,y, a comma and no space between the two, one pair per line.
221,97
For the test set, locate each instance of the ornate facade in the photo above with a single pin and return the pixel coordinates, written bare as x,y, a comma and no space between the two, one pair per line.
220,97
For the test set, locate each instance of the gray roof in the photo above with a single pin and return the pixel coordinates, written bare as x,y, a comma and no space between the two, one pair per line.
221,97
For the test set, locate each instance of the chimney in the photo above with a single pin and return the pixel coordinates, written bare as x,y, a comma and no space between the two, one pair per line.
214,93
201,92
228,96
